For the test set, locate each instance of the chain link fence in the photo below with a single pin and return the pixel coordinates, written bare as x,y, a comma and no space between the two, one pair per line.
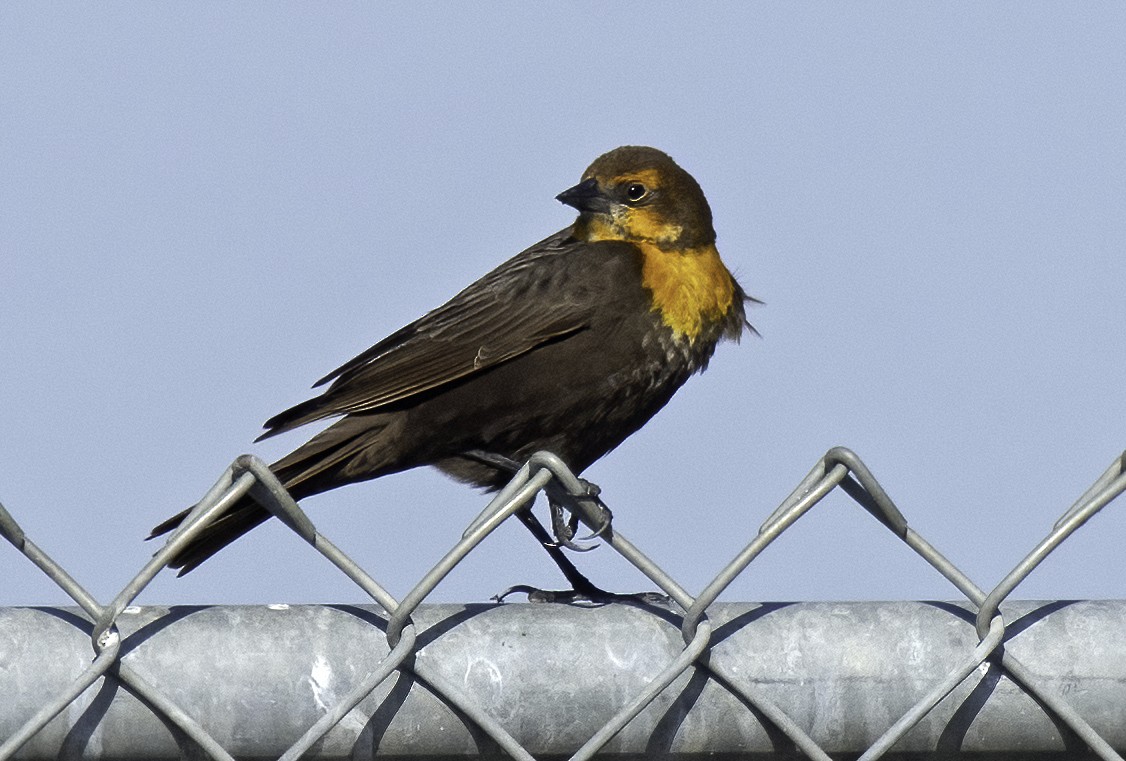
695,658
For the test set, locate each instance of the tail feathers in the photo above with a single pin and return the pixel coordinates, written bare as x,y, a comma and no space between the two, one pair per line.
164,527
245,515
343,453
296,416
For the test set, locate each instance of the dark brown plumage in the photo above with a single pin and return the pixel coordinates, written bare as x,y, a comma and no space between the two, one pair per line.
570,346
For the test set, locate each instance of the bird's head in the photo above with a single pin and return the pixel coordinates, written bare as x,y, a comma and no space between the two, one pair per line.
639,194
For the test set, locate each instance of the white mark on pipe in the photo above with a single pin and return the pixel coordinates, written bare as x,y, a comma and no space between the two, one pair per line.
320,681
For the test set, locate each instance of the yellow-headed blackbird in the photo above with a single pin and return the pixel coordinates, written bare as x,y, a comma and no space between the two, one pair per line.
570,346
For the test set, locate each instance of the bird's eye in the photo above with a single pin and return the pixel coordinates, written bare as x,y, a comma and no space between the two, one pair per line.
635,191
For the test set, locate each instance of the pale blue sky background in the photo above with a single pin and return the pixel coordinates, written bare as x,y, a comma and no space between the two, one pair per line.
205,207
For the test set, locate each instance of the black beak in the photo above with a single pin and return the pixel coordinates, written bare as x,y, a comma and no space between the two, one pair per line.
585,197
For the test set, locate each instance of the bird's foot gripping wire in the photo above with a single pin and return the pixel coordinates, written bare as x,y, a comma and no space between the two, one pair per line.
563,528
580,499
582,590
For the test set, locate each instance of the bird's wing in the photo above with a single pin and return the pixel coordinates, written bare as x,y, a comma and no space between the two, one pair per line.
497,318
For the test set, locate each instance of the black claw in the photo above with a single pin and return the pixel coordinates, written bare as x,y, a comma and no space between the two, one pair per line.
603,528
564,531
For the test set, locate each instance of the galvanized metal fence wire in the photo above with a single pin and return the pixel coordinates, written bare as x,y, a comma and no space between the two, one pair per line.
839,468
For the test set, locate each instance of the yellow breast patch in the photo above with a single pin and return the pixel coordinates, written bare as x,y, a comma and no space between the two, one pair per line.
690,287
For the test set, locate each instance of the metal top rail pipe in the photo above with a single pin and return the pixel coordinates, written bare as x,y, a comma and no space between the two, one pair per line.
256,678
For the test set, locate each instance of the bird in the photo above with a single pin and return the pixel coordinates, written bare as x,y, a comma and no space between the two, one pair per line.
570,346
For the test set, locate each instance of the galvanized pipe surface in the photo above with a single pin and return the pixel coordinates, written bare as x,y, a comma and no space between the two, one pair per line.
256,677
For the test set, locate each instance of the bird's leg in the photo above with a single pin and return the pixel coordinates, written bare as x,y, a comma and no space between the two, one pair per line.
564,530
498,461
581,587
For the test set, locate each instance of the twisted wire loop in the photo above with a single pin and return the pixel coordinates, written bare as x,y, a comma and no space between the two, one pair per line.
702,653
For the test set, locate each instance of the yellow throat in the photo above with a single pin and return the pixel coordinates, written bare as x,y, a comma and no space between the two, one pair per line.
690,287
